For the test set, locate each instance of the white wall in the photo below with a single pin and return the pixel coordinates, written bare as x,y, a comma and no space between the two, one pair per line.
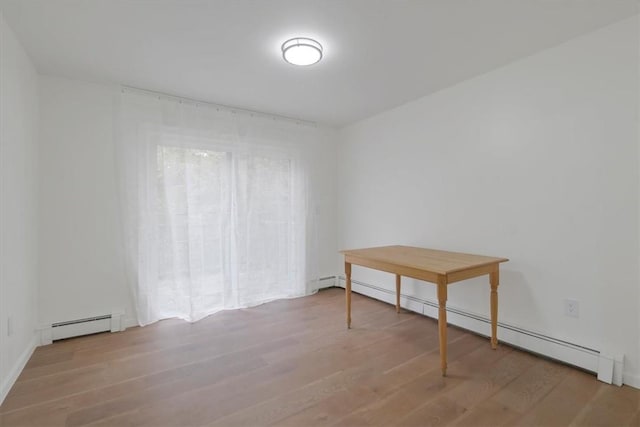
81,261
323,181
81,256
537,162
18,203
638,135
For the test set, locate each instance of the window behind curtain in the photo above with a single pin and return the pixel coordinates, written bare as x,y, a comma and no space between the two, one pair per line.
225,229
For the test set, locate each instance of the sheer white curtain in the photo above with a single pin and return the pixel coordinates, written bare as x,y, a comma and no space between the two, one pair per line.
214,207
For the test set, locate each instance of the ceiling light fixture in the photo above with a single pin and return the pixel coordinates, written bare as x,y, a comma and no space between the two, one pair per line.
301,51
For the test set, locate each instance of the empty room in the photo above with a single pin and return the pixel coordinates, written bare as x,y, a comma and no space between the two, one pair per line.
320,213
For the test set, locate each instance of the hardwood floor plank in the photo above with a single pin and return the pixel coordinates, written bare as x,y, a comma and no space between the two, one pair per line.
415,397
611,406
561,406
248,390
104,374
138,391
225,342
163,339
517,396
294,363
488,414
478,376
384,356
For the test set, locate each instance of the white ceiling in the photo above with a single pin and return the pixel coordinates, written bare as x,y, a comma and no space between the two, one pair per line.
378,53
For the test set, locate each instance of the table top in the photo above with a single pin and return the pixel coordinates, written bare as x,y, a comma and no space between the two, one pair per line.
432,260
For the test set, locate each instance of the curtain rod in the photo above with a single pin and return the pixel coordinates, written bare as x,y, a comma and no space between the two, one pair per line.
217,106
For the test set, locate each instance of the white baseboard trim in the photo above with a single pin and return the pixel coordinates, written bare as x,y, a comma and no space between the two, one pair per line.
17,368
566,352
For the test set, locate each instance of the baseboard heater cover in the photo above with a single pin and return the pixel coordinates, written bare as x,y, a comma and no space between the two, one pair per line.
589,359
327,282
78,327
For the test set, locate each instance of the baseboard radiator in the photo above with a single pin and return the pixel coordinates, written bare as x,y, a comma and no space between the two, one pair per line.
327,282
111,322
608,368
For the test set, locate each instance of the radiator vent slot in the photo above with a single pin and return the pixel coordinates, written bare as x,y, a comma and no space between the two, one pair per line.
73,322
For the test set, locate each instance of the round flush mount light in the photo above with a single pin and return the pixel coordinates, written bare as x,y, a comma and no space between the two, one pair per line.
301,51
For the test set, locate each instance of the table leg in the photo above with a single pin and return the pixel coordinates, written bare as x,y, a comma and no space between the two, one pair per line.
347,270
494,279
442,324
397,293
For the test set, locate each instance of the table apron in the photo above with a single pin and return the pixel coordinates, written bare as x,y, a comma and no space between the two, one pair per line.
414,273
425,275
470,273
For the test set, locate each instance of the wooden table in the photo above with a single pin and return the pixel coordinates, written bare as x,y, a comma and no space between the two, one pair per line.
439,267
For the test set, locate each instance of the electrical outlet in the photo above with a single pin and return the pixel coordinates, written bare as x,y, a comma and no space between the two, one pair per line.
571,308
9,326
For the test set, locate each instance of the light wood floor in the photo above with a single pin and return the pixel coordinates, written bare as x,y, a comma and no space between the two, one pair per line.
294,363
